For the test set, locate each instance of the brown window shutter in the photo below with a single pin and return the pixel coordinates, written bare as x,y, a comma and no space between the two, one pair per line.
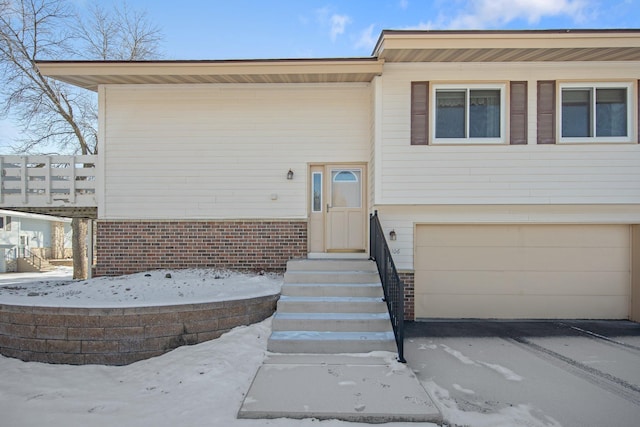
419,113
547,112
518,113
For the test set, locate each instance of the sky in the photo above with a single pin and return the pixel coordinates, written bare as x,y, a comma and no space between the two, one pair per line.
216,29
242,29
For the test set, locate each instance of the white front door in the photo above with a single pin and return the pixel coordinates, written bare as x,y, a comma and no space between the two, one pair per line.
345,228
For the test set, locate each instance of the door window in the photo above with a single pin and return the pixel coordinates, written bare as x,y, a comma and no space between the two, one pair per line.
316,202
346,191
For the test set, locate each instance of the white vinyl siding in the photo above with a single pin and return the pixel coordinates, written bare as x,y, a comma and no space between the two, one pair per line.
223,151
499,174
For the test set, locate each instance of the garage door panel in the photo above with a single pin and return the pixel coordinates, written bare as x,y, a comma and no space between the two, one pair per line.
475,258
532,307
487,258
468,235
584,236
576,259
508,270
598,236
527,283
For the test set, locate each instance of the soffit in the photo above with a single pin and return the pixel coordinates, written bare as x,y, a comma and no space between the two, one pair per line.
509,46
91,74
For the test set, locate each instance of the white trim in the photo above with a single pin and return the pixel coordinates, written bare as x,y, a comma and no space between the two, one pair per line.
102,153
338,255
502,87
198,87
378,124
595,139
355,177
41,217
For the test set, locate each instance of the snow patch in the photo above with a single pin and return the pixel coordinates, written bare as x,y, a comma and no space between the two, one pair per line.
152,288
458,355
506,372
462,389
511,416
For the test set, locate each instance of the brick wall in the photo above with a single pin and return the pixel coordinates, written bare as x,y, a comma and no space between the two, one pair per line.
409,301
125,247
119,336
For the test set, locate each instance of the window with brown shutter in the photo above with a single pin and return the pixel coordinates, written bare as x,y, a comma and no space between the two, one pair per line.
419,113
468,113
518,113
546,112
595,112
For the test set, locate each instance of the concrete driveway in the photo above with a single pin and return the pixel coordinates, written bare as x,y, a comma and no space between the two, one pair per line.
529,373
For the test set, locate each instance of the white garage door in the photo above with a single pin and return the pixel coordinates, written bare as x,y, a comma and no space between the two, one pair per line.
522,271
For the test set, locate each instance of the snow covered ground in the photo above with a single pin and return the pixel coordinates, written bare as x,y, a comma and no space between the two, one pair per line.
479,382
158,287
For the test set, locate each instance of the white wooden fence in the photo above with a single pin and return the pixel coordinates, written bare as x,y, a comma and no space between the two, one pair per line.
44,181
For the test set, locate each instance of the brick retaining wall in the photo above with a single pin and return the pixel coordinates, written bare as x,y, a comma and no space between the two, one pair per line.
119,336
125,247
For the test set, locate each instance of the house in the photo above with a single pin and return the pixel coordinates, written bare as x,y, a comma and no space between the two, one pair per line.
23,235
504,166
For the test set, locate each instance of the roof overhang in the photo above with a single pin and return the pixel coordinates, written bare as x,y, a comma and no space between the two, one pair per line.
91,74
508,46
392,46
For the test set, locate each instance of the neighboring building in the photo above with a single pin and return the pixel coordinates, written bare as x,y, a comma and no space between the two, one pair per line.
25,234
506,163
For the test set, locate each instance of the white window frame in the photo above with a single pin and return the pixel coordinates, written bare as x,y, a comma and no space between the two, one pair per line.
597,139
468,140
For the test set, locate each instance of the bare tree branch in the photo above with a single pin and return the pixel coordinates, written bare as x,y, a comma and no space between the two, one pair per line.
124,34
54,114
50,112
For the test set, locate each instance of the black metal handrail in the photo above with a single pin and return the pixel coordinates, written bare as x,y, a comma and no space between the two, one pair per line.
36,261
391,283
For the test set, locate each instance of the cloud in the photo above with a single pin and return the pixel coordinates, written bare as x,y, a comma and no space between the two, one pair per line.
366,39
338,25
490,13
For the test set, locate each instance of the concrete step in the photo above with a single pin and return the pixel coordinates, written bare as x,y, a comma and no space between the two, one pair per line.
331,306
333,289
331,265
344,387
332,322
305,304
330,342
26,266
316,276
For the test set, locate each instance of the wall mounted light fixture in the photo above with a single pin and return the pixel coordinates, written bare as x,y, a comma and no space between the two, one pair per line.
392,235
290,174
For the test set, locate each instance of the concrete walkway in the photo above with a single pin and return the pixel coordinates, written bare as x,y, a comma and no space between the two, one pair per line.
345,387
